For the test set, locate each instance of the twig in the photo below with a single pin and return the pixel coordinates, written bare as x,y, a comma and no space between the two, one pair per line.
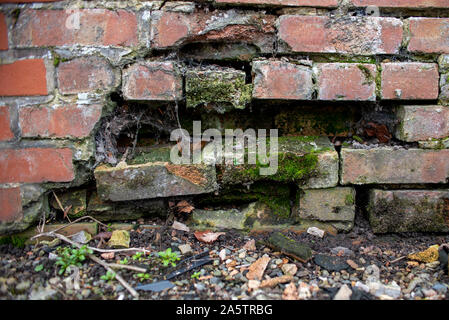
398,259
124,266
61,207
79,219
117,276
64,238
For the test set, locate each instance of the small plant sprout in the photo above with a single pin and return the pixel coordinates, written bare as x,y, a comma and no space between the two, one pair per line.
71,257
139,256
124,261
109,276
195,275
142,276
39,268
168,257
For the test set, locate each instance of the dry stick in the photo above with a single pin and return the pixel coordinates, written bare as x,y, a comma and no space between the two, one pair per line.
95,259
79,219
124,266
60,236
61,207
118,277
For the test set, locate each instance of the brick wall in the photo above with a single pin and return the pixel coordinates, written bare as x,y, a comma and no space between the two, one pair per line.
375,82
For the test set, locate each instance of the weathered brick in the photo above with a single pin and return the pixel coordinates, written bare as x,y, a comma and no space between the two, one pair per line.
402,3
429,35
327,205
85,74
355,35
302,3
282,80
23,78
418,123
59,121
310,162
3,33
409,81
36,28
409,210
346,81
389,166
171,29
219,89
36,165
5,124
152,81
10,204
154,180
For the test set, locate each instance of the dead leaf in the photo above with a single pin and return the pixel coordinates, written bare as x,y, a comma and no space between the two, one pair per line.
250,245
208,236
290,292
108,255
270,283
184,207
257,269
380,131
180,226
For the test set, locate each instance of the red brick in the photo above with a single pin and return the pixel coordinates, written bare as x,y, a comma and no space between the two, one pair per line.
5,127
23,78
302,3
85,74
152,81
171,29
410,81
429,35
3,33
36,28
36,165
419,123
282,80
346,81
355,35
390,166
402,3
10,205
60,121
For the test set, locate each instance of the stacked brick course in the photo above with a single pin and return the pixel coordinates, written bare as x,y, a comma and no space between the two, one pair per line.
62,64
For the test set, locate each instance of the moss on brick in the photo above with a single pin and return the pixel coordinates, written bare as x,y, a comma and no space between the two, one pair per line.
219,90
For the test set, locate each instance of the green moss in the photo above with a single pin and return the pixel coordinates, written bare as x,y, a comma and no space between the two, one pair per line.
16,241
222,90
366,73
349,199
161,154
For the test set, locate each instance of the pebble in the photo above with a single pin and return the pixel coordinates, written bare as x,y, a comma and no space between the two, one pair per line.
23,286
289,269
344,293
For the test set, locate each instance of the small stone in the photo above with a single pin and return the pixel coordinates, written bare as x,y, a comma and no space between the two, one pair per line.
200,286
185,248
242,255
253,284
222,254
289,269
344,293
330,263
426,256
46,293
429,292
250,245
119,239
342,251
315,232
359,285
372,273
82,237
